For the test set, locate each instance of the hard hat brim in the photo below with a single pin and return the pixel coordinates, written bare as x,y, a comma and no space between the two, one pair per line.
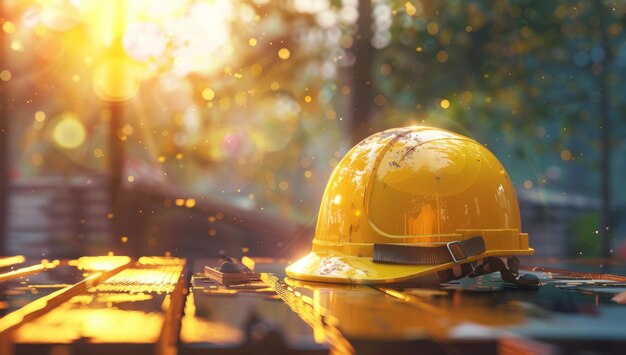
337,268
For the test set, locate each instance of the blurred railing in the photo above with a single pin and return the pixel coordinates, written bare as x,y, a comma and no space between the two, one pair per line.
56,217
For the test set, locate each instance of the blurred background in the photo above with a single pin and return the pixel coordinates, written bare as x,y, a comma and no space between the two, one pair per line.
205,127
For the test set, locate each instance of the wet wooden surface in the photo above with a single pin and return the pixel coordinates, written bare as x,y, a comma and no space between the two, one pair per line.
159,305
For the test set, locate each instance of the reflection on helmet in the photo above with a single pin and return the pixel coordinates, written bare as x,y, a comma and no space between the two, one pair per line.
416,187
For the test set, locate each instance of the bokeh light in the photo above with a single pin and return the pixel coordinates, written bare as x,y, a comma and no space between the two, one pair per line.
60,15
117,79
69,132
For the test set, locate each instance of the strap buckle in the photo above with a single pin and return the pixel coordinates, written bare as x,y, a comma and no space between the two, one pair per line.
455,249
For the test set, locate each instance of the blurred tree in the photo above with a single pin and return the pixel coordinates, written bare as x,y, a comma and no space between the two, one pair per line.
248,103
533,79
240,103
4,141
363,96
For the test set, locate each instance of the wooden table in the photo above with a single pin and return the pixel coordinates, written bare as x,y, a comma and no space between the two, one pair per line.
157,305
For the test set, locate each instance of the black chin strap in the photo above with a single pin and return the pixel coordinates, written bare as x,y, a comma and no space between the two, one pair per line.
509,275
456,252
492,264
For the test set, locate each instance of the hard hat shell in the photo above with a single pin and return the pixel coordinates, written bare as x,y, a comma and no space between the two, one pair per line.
418,186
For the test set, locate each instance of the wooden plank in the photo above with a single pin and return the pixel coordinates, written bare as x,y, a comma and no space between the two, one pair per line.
25,271
136,311
11,260
45,304
242,319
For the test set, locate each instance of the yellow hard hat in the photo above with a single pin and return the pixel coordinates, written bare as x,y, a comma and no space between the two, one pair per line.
410,202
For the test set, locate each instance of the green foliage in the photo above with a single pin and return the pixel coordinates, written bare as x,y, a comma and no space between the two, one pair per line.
584,239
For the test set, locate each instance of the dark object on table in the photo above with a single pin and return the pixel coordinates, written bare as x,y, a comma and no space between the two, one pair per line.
231,272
